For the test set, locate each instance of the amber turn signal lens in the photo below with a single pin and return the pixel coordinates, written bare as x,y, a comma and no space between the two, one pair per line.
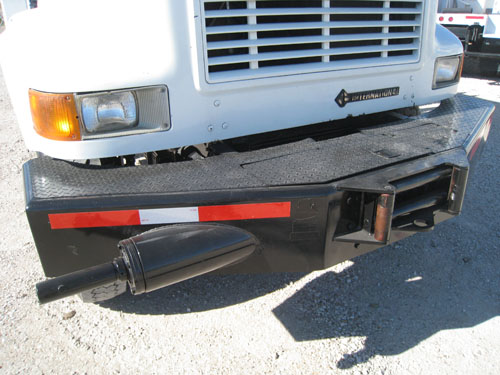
55,116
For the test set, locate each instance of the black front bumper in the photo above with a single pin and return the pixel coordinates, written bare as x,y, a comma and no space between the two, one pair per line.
328,193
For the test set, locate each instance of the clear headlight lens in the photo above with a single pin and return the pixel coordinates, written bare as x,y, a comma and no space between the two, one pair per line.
447,71
124,112
107,112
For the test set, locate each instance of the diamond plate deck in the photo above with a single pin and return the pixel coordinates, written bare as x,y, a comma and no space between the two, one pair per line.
305,162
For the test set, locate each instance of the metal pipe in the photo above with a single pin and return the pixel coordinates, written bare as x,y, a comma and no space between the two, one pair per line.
419,204
80,281
383,218
421,179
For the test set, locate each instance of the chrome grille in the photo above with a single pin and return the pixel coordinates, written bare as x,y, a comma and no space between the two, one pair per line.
263,38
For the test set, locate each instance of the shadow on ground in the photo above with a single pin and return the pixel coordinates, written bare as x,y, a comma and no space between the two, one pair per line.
394,299
202,294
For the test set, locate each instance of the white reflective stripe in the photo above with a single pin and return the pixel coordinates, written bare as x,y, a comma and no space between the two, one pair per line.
169,215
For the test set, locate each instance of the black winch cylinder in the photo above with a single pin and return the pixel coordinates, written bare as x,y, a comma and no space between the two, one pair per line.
158,258
169,255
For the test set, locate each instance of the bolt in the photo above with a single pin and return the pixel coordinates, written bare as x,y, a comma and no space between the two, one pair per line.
413,96
217,103
210,128
411,78
225,125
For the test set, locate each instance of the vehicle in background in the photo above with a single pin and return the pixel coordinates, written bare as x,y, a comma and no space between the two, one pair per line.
477,24
10,7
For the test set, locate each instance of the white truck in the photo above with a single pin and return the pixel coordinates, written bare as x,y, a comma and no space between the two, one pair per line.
477,24
182,137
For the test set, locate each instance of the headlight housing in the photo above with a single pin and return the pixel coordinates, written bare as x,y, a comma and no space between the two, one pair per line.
123,112
447,71
72,117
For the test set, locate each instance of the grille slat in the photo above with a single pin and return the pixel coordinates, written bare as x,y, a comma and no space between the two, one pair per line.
234,59
303,11
263,38
277,1
307,25
305,40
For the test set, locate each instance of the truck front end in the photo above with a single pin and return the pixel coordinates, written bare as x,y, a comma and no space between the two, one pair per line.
189,72
290,119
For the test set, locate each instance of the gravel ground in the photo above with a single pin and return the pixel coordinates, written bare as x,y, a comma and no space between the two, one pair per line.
429,304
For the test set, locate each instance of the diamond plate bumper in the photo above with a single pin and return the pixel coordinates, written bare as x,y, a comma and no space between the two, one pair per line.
332,186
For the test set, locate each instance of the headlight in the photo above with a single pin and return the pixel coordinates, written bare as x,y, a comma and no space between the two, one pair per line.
106,112
124,112
71,117
447,71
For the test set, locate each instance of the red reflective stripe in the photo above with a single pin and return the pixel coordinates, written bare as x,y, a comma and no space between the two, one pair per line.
206,213
474,148
244,211
94,219
474,18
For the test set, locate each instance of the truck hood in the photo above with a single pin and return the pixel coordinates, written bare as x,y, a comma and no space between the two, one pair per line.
77,46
